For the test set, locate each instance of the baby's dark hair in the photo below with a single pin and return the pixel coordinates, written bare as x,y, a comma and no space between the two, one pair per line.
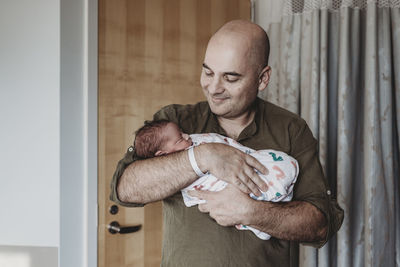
149,138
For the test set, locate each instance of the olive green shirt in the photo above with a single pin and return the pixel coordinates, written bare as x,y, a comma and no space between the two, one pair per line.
193,239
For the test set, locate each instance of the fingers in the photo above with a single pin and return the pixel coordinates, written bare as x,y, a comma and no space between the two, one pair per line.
253,162
203,208
242,186
252,174
201,194
246,184
257,181
237,168
248,181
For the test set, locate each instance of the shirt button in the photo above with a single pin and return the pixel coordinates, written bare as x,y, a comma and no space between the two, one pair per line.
328,192
130,149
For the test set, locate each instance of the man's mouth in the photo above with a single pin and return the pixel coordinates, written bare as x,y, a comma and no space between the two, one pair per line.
218,99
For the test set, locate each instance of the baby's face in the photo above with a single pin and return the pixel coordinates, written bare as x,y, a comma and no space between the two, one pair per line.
175,139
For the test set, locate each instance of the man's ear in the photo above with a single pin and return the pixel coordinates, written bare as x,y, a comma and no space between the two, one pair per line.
160,153
264,78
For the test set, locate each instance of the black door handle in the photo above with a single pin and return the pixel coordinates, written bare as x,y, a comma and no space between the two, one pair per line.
115,228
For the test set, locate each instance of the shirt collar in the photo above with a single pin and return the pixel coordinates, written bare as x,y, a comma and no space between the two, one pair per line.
252,128
247,132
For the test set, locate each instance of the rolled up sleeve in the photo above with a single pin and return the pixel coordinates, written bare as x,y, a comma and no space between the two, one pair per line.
166,113
129,158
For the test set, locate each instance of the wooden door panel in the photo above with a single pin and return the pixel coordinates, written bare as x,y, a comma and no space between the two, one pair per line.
150,55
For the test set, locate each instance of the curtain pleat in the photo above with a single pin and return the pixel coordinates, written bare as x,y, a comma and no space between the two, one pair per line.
395,37
340,70
289,73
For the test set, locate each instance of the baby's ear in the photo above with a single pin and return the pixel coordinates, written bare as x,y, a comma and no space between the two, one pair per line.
160,153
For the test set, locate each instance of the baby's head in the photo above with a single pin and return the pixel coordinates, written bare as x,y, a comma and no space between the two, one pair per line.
161,137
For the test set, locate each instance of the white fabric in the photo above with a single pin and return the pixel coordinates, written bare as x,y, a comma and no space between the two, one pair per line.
283,172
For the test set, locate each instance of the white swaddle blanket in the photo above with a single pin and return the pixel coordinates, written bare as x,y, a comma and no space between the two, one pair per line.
283,172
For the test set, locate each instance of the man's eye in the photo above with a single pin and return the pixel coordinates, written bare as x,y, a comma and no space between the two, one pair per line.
231,78
208,73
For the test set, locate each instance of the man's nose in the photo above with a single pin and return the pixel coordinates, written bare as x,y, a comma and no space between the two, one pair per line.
215,86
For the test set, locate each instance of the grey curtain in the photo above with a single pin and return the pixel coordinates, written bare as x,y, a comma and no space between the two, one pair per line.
337,64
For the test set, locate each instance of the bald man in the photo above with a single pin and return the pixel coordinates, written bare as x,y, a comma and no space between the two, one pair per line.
235,69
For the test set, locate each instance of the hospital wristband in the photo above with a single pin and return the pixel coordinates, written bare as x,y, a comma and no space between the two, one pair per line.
194,163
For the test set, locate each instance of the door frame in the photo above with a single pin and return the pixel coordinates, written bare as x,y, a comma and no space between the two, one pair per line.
78,113
78,133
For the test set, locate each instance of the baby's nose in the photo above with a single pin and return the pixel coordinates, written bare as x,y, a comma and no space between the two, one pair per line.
185,136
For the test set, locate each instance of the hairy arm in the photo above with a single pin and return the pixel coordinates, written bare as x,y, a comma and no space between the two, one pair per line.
154,179
294,221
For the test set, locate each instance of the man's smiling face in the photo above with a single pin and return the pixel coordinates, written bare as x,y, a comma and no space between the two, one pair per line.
229,76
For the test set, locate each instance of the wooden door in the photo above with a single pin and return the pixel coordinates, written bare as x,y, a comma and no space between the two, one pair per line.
150,55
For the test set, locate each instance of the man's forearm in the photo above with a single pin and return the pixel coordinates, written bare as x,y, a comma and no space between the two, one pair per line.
295,221
156,178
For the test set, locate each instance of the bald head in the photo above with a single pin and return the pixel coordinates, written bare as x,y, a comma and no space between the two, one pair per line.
235,69
247,34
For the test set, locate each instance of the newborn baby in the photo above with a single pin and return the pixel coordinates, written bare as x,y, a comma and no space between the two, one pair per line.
162,137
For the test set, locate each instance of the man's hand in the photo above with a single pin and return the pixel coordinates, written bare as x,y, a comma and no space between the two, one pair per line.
296,221
227,207
233,166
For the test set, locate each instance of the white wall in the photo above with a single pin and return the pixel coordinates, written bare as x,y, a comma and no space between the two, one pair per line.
19,256
48,134
29,119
